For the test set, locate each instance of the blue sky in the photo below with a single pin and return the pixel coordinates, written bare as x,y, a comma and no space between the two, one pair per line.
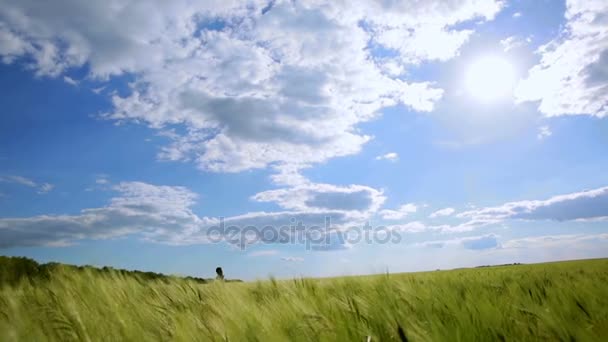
472,132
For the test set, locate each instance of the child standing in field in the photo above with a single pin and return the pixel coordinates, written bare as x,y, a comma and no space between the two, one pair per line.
219,274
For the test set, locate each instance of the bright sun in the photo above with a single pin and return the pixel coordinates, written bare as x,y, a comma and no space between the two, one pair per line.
490,78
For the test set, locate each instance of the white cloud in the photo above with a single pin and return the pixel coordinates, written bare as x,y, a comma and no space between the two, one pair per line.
390,66
543,132
163,214
11,45
70,80
517,14
481,242
356,201
572,76
425,30
565,242
426,43
292,259
285,88
102,179
172,201
548,241
111,38
140,208
442,212
18,180
391,156
588,205
469,225
300,111
399,213
102,182
584,205
43,188
98,90
268,252
289,175
514,42
413,227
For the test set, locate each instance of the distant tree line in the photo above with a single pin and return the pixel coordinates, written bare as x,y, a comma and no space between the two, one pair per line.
16,269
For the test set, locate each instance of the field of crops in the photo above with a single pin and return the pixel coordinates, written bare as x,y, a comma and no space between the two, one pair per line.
555,301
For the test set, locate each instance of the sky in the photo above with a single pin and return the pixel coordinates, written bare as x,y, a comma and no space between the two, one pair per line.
303,138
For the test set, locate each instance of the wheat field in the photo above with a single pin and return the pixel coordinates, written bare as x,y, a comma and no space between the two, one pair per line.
554,301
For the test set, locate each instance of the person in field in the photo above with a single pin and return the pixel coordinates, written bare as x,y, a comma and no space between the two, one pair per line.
219,274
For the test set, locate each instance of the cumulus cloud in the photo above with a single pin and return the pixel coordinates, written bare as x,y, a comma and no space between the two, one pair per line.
399,213
102,179
548,241
513,42
584,205
140,208
43,188
544,132
288,98
442,212
353,200
530,243
70,81
580,206
292,259
421,31
269,252
572,76
474,243
248,88
469,225
111,38
413,227
18,180
391,156
163,214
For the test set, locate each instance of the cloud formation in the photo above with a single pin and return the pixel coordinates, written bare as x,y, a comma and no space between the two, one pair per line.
474,242
421,31
572,76
163,214
262,253
246,84
140,208
399,213
292,259
43,188
442,212
547,241
353,200
544,132
584,205
391,156
513,42
565,242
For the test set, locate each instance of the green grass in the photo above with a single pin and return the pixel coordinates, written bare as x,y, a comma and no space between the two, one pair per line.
555,301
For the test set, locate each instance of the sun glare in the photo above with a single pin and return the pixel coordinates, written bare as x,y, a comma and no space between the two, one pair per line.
490,78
